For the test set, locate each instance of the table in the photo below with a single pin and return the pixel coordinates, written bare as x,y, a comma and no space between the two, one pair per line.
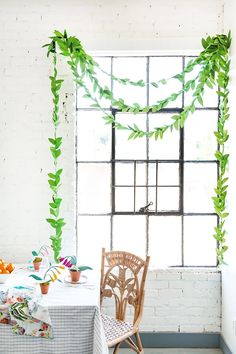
75,317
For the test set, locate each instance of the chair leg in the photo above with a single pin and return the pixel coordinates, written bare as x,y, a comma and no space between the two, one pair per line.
139,343
132,345
116,348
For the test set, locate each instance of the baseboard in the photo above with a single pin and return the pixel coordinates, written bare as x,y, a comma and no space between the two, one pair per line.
180,340
183,340
224,347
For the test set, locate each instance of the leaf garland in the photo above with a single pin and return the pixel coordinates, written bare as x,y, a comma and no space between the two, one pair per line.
54,180
214,66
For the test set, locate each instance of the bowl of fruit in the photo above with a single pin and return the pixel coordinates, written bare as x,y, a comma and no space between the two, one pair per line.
5,270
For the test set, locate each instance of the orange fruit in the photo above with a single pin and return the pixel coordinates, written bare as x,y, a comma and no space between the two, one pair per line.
10,267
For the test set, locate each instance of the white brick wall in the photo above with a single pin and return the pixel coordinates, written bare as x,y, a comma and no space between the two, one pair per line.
25,99
180,300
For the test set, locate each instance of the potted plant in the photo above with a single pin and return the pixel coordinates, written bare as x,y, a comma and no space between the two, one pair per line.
75,270
50,275
37,263
44,287
38,256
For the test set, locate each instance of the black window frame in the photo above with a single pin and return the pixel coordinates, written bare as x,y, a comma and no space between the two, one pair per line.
181,161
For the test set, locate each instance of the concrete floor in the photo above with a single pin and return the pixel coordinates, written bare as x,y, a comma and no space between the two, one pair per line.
173,351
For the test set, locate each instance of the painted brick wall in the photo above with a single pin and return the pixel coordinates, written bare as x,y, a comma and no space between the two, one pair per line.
25,100
180,300
25,114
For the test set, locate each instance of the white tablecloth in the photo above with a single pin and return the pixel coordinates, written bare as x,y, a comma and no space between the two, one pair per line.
75,316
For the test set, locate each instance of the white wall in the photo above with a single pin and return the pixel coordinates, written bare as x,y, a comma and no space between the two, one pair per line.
25,100
180,300
229,272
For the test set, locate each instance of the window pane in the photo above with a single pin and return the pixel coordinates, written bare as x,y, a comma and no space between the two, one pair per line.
93,137
93,235
130,149
103,79
168,173
124,199
141,168
140,198
94,184
200,141
130,234
135,69
210,98
199,182
165,240
163,68
167,198
124,173
199,244
168,147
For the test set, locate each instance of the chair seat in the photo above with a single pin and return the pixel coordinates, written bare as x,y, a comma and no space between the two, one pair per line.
115,329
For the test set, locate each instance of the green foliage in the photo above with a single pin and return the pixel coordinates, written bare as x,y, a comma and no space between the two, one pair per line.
54,180
213,63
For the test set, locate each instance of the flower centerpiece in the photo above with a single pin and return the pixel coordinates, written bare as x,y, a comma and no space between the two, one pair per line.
75,270
50,275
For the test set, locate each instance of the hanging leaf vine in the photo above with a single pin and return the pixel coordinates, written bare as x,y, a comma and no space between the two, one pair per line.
213,63
54,181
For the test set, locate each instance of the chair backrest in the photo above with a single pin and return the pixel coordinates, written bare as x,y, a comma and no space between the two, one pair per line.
123,277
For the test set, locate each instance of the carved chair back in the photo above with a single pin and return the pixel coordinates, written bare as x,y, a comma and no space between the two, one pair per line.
123,278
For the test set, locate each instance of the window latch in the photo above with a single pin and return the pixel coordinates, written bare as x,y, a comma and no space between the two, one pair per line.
145,208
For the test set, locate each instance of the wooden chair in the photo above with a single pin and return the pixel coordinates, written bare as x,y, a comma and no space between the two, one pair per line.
123,278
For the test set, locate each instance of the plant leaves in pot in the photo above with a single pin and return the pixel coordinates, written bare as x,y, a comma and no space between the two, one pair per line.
75,270
44,287
37,263
50,275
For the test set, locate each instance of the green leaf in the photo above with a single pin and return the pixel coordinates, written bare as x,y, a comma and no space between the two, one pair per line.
58,142
55,152
35,277
57,201
52,222
154,84
59,172
179,77
199,98
51,175
82,268
58,34
52,141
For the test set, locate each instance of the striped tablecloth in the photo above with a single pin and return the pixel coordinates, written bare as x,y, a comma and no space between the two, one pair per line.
75,317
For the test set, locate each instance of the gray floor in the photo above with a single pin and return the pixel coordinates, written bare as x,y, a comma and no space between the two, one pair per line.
173,351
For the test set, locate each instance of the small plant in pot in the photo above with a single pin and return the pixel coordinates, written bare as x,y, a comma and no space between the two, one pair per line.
37,263
44,287
75,270
50,275
38,256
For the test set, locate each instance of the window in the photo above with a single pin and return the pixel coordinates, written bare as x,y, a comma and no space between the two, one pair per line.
143,195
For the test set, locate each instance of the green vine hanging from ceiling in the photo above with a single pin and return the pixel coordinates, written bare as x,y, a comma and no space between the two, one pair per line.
213,63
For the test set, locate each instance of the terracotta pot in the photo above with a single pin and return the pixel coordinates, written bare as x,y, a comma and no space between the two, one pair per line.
37,265
75,275
44,288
